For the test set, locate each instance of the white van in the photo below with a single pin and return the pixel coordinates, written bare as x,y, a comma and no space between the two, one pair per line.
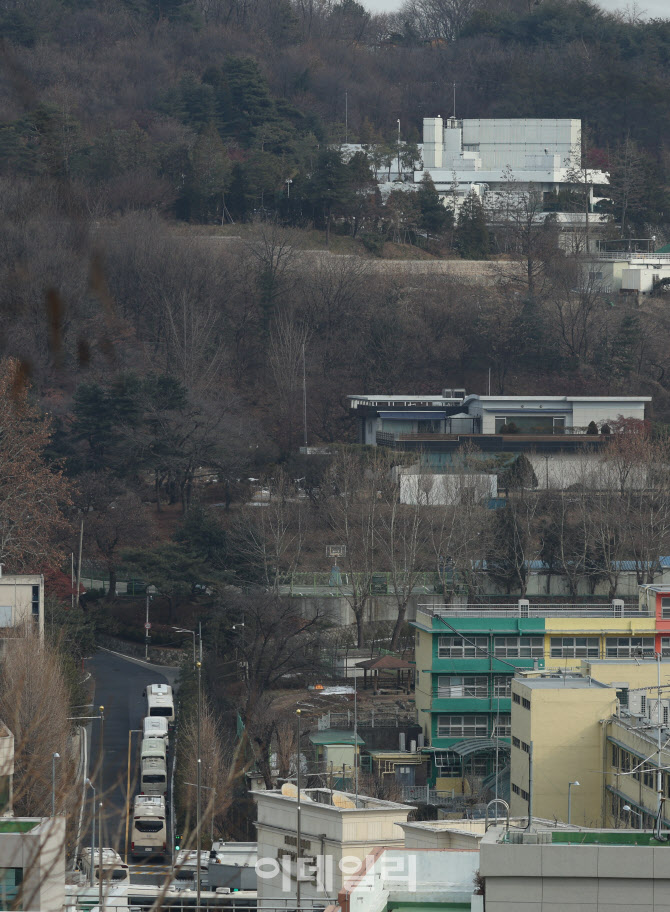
149,831
153,747
156,727
114,869
160,702
153,776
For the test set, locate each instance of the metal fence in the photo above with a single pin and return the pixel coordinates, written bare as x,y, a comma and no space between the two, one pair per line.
386,718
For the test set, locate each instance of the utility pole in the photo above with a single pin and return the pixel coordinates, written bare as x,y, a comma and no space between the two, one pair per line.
355,739
398,148
298,822
304,394
81,542
346,117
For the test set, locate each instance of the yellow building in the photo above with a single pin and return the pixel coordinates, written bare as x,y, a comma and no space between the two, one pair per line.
569,640
558,718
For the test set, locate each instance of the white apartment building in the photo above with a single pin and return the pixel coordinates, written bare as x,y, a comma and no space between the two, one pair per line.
337,831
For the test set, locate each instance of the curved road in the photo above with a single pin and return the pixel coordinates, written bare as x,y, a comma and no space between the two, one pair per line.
119,685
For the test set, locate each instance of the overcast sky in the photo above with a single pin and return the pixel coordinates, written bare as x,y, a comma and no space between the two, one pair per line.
652,8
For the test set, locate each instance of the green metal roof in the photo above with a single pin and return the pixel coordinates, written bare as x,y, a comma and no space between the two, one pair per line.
335,736
18,826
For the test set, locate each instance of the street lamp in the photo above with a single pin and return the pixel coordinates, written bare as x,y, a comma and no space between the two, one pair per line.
131,732
198,665
630,810
54,757
288,183
207,788
147,628
92,787
192,633
570,784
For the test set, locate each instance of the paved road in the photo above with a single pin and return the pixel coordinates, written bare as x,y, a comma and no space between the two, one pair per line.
119,684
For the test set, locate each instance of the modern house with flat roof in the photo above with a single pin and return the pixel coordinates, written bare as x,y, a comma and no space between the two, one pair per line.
551,431
517,422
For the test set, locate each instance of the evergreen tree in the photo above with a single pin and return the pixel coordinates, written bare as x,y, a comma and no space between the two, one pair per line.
436,218
472,236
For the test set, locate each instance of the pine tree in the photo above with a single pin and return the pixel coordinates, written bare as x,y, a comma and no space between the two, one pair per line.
472,235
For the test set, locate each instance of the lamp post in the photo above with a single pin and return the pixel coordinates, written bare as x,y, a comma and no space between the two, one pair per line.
147,628
570,784
131,732
630,810
54,757
102,743
92,787
208,788
192,633
198,665
100,854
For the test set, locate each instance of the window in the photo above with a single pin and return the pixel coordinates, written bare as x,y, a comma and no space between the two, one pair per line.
466,726
447,763
518,647
665,646
465,686
575,647
615,756
643,705
519,791
525,747
456,647
36,602
625,762
559,424
476,766
525,703
502,685
502,725
516,742
648,776
629,647
516,698
10,883
665,609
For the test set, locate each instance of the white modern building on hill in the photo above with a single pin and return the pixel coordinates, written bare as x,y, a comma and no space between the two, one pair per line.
487,157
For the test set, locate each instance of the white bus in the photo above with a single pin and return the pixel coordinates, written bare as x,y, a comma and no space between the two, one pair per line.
156,727
114,869
149,830
153,748
153,776
160,702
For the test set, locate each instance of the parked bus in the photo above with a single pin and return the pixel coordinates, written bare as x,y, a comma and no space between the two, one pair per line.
149,831
160,702
114,869
156,727
153,776
153,747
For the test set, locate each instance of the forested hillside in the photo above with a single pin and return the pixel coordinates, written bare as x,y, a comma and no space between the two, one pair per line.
130,130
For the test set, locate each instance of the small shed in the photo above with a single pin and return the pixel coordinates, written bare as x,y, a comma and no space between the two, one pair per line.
385,666
337,746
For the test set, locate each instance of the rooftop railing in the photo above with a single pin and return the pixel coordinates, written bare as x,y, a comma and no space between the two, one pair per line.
535,610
